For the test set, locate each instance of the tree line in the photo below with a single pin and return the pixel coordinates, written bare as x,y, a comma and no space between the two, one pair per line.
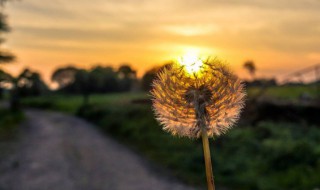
99,79
73,80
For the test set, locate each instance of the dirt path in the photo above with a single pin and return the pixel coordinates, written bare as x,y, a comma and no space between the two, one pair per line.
60,152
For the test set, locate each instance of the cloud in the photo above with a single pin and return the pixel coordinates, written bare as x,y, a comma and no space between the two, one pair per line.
278,5
158,26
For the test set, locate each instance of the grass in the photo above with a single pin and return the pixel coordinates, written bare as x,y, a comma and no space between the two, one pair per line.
263,157
8,124
71,103
291,93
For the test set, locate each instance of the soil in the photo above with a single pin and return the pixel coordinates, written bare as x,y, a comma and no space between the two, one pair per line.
62,152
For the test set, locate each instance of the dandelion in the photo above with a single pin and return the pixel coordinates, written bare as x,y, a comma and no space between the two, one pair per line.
198,99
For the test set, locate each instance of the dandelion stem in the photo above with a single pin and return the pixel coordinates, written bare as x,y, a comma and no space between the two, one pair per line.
201,115
207,158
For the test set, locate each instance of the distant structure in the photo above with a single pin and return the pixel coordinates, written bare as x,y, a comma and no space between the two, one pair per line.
309,74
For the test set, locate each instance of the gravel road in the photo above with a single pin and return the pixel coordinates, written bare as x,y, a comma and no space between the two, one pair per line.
61,152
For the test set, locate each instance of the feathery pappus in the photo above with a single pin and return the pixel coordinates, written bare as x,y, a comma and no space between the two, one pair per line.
187,100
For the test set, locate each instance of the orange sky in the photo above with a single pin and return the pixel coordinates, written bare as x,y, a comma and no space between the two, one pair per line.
280,36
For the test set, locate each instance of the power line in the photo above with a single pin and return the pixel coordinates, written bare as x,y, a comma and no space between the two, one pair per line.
303,72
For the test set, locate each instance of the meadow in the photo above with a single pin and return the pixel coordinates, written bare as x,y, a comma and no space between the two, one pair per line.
265,156
291,93
71,103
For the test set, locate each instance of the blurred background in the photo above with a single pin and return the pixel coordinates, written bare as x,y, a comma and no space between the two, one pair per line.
96,60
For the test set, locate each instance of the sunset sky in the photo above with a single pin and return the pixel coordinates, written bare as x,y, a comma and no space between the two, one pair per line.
279,36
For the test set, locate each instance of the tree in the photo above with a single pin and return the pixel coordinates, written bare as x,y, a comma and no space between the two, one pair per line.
72,80
127,76
250,67
103,79
29,83
81,85
125,71
4,76
5,79
150,75
64,76
5,56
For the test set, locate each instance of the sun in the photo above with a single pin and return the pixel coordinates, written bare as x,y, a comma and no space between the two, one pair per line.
192,62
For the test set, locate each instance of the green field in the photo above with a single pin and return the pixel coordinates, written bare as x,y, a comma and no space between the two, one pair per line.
292,93
71,103
267,156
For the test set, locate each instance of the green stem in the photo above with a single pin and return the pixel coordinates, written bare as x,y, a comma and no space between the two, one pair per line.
207,158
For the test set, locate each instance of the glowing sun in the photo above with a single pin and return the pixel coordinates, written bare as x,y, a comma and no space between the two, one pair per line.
192,62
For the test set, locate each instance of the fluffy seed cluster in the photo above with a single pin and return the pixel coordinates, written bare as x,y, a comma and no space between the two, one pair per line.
186,103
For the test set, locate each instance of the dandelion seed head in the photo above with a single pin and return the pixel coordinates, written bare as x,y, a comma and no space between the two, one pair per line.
213,91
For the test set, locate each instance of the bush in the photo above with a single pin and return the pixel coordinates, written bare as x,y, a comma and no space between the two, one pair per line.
266,156
8,124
